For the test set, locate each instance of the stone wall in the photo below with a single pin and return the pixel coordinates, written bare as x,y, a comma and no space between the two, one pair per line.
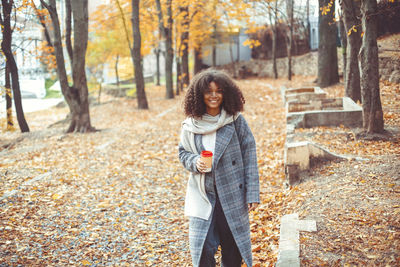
389,68
306,65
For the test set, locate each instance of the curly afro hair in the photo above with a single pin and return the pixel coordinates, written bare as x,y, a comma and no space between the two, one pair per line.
233,100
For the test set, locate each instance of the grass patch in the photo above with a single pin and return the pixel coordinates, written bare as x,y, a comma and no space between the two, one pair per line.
131,92
49,83
51,93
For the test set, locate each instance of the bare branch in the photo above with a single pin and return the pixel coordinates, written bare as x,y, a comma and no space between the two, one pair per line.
42,20
125,27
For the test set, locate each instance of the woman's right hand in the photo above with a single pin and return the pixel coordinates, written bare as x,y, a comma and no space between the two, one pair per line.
201,165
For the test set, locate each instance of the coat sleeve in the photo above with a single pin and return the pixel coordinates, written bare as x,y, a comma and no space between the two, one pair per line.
188,159
249,156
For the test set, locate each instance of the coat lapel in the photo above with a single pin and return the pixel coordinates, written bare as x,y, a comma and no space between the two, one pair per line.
224,136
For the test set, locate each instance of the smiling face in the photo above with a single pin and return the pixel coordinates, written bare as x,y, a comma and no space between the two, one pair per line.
213,99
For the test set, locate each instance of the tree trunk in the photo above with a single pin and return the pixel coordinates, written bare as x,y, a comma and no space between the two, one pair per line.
12,66
169,58
99,95
214,46
289,4
10,123
71,94
369,70
137,58
198,63
185,47
68,29
343,42
327,51
157,51
42,20
308,31
351,15
116,70
80,115
273,21
178,76
233,69
170,53
238,47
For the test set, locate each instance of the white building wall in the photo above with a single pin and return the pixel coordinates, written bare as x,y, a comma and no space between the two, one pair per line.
314,36
223,51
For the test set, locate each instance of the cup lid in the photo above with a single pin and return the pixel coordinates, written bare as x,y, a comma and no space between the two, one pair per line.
206,153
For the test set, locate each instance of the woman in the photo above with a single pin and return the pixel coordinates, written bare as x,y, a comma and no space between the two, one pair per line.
218,202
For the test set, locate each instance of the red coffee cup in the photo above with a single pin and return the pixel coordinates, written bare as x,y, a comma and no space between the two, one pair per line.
207,157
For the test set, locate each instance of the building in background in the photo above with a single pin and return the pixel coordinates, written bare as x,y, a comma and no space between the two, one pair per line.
25,44
314,37
228,49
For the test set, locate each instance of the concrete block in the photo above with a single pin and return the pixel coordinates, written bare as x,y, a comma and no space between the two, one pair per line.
297,153
334,112
288,258
307,225
298,157
289,244
292,173
302,94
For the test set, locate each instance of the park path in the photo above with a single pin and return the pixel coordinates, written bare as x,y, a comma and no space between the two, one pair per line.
116,196
30,105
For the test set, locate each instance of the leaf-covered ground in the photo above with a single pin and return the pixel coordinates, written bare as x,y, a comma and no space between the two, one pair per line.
115,197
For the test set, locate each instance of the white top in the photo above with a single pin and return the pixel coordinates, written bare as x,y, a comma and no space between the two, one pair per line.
209,141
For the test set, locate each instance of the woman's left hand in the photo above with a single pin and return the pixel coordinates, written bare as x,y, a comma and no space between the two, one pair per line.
252,206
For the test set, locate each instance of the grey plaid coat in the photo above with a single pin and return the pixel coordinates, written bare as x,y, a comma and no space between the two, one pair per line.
237,182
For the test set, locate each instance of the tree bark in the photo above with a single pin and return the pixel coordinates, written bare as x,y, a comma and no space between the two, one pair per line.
157,52
369,70
214,45
167,34
42,20
116,70
308,31
185,47
198,63
178,76
12,65
289,4
71,94
80,115
351,15
10,123
343,42
327,51
137,57
273,23
233,68
68,29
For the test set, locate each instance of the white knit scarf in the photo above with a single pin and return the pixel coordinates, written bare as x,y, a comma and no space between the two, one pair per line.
196,201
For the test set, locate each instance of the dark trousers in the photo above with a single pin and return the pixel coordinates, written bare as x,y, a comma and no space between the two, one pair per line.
220,234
